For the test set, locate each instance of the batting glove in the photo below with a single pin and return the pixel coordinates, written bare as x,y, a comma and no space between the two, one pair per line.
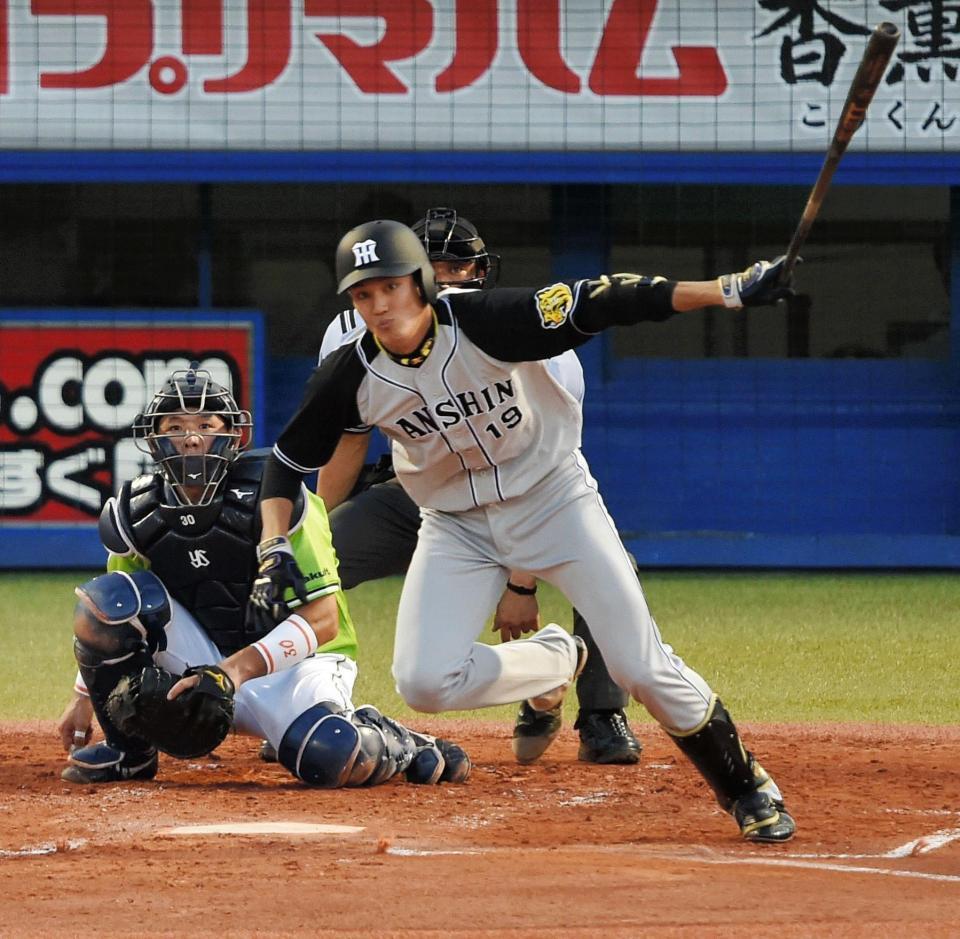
278,572
758,285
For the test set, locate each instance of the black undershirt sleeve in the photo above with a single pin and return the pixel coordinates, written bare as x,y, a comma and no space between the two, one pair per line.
279,481
524,324
329,405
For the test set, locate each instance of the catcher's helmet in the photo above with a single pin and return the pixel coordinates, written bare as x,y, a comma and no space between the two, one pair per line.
449,237
193,391
383,249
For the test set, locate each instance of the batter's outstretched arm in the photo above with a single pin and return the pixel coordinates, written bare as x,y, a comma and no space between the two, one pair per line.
609,301
517,325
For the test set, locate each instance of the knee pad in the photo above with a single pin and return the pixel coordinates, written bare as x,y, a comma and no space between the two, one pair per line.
320,747
119,615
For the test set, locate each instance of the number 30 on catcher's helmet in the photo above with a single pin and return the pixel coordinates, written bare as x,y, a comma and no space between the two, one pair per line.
383,248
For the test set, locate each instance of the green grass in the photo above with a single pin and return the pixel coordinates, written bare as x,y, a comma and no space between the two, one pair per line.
777,647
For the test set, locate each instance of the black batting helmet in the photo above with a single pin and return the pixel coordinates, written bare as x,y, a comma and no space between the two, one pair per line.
383,249
193,391
447,236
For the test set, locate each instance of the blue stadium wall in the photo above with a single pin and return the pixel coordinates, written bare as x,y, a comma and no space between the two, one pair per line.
712,463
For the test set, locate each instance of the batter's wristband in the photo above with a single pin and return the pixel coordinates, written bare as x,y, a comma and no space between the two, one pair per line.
730,291
523,591
287,644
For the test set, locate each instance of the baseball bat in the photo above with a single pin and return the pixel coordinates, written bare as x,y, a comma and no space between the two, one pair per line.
876,56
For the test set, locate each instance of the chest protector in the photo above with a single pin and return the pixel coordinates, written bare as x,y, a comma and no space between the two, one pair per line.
205,555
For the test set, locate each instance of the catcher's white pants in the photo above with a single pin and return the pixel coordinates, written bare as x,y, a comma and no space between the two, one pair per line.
264,707
560,531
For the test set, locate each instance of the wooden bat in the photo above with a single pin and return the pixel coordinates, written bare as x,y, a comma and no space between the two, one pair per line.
876,56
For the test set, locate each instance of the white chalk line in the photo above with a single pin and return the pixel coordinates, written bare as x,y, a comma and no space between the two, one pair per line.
922,845
821,866
706,855
49,847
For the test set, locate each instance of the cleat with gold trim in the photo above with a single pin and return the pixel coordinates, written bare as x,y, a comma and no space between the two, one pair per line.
762,818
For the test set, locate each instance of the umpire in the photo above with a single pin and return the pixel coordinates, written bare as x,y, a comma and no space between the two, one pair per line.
374,522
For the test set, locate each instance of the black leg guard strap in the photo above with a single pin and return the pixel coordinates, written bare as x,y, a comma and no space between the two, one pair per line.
715,749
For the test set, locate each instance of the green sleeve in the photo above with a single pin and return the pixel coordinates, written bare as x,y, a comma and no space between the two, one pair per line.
313,550
128,563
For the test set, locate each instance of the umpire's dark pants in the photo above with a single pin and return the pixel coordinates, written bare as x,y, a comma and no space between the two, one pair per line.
374,535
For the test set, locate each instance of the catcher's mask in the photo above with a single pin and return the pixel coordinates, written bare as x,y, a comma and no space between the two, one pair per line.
383,249
193,391
449,237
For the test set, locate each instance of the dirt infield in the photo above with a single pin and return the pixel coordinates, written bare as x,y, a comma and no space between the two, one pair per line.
559,848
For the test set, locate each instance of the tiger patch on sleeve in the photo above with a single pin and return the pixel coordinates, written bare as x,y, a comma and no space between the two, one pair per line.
554,304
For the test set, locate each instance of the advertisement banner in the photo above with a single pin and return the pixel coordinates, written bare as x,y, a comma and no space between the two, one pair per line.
71,385
468,75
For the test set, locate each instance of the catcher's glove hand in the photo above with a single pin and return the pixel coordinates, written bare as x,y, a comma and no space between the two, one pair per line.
278,572
758,285
193,724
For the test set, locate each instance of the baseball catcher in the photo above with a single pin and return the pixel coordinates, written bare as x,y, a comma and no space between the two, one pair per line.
166,659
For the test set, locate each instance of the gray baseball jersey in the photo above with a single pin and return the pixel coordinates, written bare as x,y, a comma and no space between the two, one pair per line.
466,427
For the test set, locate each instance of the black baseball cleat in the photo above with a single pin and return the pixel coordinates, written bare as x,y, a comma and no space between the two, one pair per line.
267,752
534,731
606,737
101,763
763,819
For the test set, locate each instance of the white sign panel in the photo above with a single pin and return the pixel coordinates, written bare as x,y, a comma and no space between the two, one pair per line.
469,74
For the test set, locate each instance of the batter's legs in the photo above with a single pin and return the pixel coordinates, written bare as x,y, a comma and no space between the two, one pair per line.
452,586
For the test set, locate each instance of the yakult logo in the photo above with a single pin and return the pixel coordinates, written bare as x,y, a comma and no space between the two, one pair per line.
118,41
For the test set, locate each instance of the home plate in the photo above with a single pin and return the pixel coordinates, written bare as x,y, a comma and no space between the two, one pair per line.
262,828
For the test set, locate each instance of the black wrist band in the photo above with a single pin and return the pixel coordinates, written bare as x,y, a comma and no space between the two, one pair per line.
523,591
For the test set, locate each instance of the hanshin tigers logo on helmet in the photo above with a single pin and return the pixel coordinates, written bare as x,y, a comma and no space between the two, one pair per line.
554,304
365,252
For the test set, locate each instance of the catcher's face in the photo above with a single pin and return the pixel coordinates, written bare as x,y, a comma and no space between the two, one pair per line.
192,436
394,310
192,433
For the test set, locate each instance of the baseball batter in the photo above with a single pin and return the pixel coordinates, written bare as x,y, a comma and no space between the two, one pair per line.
486,441
375,530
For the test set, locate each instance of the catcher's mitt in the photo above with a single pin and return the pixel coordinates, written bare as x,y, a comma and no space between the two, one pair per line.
193,724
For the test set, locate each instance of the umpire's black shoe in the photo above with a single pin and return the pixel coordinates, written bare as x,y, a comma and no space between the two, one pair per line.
267,752
606,737
101,763
762,818
534,731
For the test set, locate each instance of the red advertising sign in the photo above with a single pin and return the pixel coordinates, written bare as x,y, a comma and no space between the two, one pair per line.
464,74
71,386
